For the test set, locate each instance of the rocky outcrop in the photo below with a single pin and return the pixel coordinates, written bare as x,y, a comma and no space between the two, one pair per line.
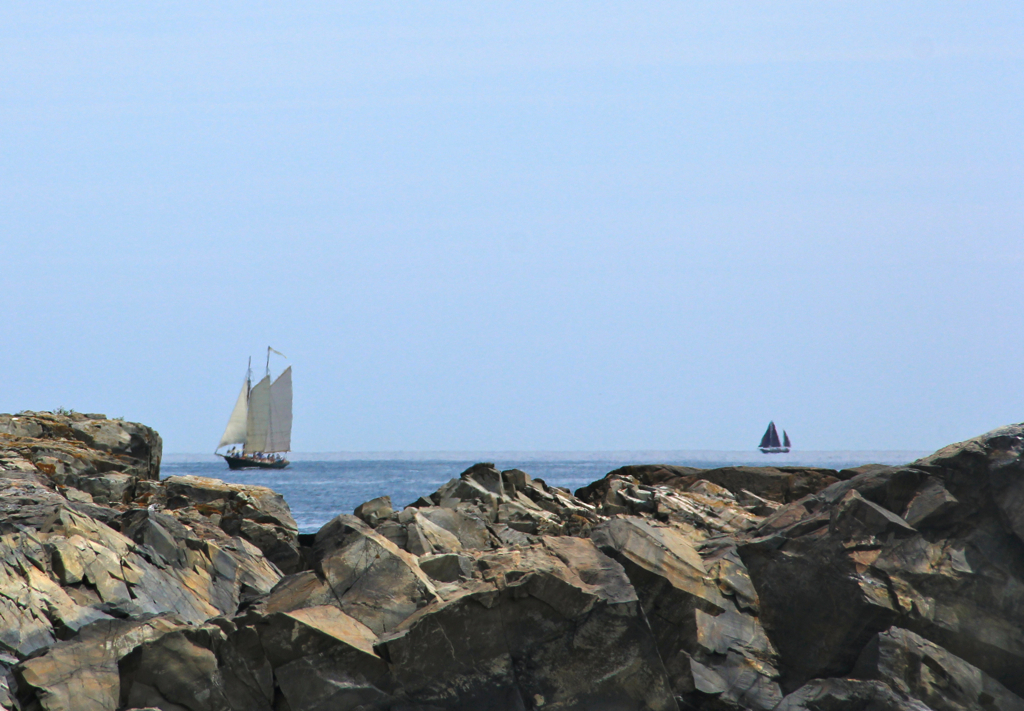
254,513
74,448
838,567
656,587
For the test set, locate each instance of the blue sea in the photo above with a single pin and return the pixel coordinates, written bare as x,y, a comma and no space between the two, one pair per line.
318,487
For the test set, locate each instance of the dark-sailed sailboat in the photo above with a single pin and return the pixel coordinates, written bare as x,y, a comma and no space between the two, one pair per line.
261,422
770,443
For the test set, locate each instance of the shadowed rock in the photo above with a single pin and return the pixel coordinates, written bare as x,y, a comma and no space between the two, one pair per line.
82,674
838,567
556,624
369,577
847,695
872,588
917,668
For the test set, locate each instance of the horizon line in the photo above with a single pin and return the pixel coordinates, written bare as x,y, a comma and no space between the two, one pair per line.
588,455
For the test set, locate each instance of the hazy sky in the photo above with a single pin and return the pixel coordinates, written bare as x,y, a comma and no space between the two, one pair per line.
521,225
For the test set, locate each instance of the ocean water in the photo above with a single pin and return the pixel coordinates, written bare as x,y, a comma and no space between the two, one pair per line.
319,486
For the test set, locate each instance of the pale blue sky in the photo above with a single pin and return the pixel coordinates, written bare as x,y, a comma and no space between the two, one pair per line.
519,226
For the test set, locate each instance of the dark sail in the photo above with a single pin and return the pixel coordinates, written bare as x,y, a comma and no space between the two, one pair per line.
770,443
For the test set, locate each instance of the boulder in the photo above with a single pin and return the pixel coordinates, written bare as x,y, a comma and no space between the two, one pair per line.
110,488
324,659
843,565
216,667
556,624
847,695
370,578
255,513
917,668
375,510
82,674
447,567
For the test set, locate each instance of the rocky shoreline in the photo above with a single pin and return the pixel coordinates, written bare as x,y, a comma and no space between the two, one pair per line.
656,587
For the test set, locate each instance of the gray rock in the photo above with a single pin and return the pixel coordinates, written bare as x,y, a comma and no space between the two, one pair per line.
374,510
200,669
847,695
703,614
827,590
324,659
110,488
556,624
447,567
82,674
915,667
372,579
930,504
255,513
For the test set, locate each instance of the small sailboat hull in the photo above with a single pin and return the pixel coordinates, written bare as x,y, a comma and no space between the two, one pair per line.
250,463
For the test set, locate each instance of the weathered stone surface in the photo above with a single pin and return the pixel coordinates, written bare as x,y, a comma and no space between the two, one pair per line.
375,510
703,613
781,484
871,588
112,488
847,695
64,570
255,513
369,577
931,502
82,674
82,444
914,667
324,659
447,567
217,667
480,481
552,625
841,566
294,592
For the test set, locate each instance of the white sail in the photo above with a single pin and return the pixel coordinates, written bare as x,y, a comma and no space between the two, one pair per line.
234,433
258,420
279,438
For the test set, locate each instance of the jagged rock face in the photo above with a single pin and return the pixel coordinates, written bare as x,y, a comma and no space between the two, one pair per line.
82,674
779,484
76,447
255,513
656,587
703,610
556,624
840,566
368,576
215,667
74,570
916,668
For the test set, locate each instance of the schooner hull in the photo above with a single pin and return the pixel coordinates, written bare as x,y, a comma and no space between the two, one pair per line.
774,450
250,463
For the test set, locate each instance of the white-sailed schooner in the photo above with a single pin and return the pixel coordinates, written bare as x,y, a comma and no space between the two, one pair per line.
261,422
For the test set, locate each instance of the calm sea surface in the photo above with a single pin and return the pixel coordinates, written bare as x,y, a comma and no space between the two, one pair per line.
318,487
